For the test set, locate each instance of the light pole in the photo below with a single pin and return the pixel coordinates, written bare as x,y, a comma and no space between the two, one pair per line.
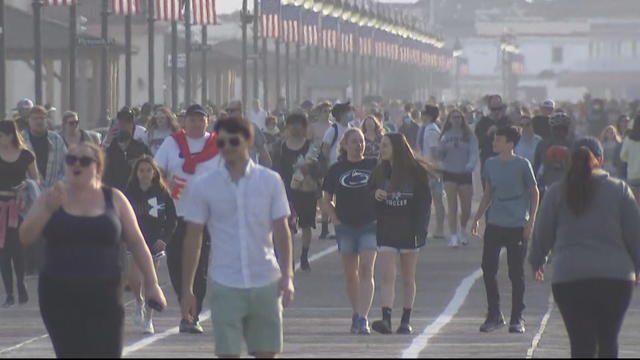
508,48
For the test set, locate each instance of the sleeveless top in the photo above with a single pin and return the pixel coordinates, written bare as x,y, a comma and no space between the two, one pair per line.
84,247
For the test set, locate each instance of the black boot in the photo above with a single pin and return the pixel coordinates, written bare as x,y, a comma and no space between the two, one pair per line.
23,297
304,260
493,322
383,326
325,230
404,327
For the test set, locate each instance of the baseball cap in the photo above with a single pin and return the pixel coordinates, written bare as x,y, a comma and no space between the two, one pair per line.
432,111
590,143
24,104
307,104
197,109
234,105
340,108
548,104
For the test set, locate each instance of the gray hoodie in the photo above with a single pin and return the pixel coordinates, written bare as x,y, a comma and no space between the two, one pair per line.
603,242
457,155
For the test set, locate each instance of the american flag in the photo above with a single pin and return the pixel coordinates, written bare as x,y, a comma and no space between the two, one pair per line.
125,7
270,14
347,36
168,10
310,24
59,2
290,23
329,32
203,12
365,34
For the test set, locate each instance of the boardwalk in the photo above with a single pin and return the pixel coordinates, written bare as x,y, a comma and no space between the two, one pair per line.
450,305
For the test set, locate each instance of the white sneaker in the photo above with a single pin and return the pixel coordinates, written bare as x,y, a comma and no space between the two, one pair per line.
463,237
138,315
453,241
148,327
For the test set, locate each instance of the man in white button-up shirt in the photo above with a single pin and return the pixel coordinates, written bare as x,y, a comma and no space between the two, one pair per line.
241,204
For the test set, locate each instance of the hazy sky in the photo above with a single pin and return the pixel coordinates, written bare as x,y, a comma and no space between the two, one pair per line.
227,6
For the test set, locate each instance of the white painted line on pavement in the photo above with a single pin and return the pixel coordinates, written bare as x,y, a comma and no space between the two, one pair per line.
16,347
205,316
543,326
421,341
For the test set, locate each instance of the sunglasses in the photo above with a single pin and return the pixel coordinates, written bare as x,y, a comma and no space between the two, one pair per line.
84,161
233,141
73,122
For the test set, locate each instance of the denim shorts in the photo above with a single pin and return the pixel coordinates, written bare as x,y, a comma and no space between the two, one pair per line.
352,239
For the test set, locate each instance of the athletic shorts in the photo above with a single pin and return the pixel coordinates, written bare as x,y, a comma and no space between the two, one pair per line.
401,251
253,314
305,205
458,178
352,239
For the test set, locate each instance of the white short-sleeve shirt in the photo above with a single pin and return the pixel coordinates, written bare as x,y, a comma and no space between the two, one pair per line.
239,217
328,137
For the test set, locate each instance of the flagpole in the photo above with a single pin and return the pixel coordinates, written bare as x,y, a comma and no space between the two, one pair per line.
73,33
278,82
287,85
3,60
298,100
174,65
187,53
243,18
127,59
105,62
265,71
37,33
256,84
204,89
151,52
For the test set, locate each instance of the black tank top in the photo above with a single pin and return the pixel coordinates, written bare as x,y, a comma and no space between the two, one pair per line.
82,247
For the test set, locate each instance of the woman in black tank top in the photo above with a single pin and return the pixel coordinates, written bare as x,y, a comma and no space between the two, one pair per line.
80,284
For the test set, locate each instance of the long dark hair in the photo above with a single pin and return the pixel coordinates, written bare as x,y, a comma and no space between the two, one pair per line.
407,169
466,130
579,183
158,180
634,134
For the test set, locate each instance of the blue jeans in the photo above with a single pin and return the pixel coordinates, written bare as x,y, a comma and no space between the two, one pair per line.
352,239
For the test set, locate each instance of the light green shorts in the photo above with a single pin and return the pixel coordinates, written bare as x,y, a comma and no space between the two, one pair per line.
254,314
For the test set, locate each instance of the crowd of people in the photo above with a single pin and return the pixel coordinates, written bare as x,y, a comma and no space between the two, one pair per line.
241,185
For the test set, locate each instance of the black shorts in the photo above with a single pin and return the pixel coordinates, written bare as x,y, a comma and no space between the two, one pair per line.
458,178
305,205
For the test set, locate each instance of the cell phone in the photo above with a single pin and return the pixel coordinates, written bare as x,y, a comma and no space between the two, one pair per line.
159,255
155,305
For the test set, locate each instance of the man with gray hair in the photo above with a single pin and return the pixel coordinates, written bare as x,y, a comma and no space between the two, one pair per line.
71,132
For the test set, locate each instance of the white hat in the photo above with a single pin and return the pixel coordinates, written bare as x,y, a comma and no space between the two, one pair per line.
548,104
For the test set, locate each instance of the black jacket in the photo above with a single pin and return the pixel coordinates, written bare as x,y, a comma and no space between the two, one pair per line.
485,142
120,163
155,212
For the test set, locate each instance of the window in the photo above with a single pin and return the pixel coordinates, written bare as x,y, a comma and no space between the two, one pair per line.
556,55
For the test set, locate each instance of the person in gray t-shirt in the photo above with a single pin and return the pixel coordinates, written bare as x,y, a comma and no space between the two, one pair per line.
511,198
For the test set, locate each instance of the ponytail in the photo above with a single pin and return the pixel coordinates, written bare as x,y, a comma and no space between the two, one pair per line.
579,184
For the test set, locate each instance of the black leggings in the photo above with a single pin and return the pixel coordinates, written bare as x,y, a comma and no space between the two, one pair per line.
12,254
593,311
174,263
84,318
495,238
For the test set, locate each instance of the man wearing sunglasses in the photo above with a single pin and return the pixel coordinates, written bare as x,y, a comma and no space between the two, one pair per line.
182,157
249,286
71,132
487,126
258,151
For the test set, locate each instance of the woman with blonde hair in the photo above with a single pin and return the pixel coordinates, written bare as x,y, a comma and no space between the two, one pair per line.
16,162
82,222
162,124
373,131
612,144
354,220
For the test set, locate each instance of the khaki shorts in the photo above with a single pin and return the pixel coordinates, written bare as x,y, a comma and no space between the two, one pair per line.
254,315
